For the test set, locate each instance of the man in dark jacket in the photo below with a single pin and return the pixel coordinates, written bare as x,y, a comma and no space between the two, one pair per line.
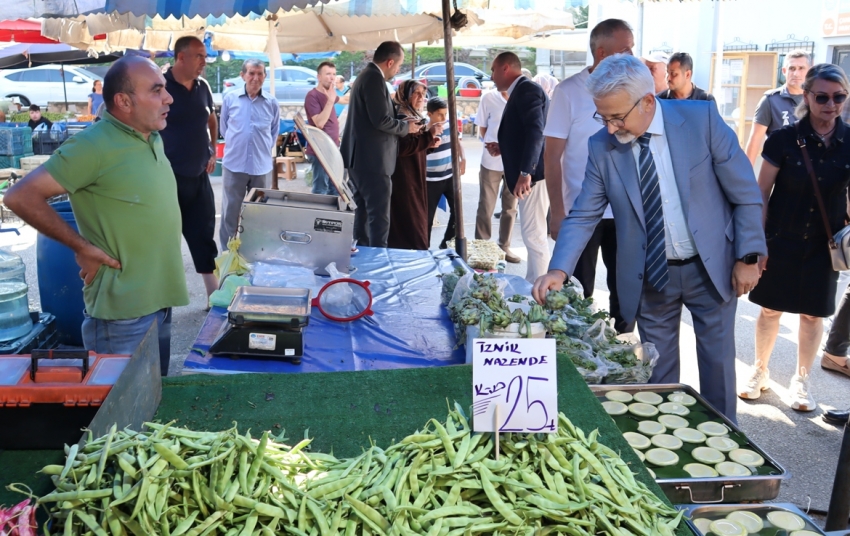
680,69
521,147
370,144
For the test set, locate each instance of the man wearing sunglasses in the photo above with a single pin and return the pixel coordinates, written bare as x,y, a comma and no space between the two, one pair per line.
776,109
688,215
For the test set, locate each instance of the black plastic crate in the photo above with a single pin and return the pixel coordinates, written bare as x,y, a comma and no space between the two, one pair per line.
42,336
44,143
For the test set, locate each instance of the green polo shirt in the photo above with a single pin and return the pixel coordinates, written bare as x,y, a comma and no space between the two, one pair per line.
124,197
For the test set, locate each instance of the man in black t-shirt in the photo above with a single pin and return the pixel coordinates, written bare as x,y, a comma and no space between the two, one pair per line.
680,69
776,109
189,139
36,119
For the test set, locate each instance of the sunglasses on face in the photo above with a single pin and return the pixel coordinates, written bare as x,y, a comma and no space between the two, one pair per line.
823,98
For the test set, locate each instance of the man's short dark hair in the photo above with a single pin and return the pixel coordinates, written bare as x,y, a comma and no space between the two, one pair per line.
117,80
686,63
388,50
35,108
508,58
183,44
606,30
325,64
436,103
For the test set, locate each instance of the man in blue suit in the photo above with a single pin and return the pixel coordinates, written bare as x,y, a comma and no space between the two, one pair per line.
521,148
689,221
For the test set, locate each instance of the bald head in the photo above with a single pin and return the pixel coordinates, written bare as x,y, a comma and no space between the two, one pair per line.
505,69
119,79
190,59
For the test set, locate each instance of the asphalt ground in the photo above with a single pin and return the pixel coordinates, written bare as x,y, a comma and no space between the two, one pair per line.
802,443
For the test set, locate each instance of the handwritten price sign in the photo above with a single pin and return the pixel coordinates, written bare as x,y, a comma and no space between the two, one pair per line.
520,377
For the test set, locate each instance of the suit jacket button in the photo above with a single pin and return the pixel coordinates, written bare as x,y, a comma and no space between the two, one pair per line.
643,246
640,276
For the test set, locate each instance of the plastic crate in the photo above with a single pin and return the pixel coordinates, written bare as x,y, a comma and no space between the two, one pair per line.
44,143
41,337
15,141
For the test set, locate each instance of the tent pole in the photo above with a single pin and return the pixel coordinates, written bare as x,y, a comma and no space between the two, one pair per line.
460,238
64,89
412,60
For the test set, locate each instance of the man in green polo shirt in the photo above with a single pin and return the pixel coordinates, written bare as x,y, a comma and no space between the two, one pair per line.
124,198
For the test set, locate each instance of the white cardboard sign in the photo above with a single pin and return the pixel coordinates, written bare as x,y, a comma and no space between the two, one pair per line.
519,376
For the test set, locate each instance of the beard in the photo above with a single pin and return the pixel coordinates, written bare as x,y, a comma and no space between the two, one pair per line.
624,137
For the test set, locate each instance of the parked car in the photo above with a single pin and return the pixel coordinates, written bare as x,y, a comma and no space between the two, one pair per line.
433,75
43,84
291,83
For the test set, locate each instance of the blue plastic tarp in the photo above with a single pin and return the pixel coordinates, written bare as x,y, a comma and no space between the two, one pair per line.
410,327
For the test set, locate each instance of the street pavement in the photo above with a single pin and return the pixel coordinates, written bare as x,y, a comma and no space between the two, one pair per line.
802,443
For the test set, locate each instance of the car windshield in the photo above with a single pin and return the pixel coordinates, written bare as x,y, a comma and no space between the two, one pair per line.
90,74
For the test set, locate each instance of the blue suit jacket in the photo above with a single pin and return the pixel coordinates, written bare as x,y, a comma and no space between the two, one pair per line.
521,132
720,198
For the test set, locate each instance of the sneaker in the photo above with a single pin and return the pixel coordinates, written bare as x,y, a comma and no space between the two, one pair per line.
757,383
800,393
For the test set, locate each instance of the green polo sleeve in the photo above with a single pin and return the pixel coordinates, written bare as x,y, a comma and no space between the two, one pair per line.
75,164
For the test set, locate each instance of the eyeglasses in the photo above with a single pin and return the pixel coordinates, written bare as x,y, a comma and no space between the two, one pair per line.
618,122
823,98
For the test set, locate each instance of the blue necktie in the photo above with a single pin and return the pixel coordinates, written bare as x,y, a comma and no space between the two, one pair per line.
653,214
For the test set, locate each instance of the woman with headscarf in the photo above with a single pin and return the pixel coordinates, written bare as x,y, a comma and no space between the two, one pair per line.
409,200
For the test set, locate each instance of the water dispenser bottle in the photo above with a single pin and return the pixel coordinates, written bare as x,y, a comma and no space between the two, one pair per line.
15,318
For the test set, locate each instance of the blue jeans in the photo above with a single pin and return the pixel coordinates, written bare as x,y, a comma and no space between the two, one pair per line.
124,336
321,182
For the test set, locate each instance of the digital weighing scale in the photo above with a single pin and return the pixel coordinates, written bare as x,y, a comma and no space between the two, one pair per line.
265,322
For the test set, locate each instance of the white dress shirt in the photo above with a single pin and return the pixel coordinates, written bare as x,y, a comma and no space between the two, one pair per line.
513,85
489,116
677,235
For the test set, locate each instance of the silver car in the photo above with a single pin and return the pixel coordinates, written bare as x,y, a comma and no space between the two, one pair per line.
291,83
43,84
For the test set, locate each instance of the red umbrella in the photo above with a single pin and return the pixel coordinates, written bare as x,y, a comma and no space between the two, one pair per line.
22,31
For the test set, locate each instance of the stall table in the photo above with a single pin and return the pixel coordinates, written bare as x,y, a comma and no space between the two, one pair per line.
410,327
344,411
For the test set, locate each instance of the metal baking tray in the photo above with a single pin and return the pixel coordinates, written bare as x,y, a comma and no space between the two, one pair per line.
270,305
720,489
720,511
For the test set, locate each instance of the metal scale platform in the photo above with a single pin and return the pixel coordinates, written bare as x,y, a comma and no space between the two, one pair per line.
265,322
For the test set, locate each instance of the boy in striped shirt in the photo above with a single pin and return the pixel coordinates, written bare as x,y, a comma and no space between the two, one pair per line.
439,168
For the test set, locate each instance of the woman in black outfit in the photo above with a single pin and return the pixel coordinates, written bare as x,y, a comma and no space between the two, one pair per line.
797,274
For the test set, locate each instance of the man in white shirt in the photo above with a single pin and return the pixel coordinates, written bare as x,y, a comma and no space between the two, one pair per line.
492,176
569,125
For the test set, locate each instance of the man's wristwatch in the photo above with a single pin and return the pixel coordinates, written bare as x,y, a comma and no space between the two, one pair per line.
524,174
751,258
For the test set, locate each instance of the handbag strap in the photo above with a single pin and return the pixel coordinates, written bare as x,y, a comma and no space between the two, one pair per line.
801,141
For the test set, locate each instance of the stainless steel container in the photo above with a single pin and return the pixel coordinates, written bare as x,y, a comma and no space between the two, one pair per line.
696,511
307,229
719,489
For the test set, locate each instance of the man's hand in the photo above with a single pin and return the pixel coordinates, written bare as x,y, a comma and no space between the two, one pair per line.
463,167
553,280
745,277
493,148
762,264
523,187
555,221
90,259
211,164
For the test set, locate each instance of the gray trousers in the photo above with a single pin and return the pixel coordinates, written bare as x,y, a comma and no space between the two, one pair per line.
658,320
235,187
838,341
372,194
489,183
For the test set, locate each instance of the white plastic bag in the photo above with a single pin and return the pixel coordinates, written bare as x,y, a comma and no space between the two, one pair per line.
337,297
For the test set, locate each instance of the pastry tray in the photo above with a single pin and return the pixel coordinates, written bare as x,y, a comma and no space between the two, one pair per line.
693,511
720,489
270,305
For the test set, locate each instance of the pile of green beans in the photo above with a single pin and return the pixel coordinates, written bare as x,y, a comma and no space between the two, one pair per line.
443,480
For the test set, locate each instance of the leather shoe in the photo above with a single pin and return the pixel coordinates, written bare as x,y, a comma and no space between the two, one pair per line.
836,416
829,364
510,256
